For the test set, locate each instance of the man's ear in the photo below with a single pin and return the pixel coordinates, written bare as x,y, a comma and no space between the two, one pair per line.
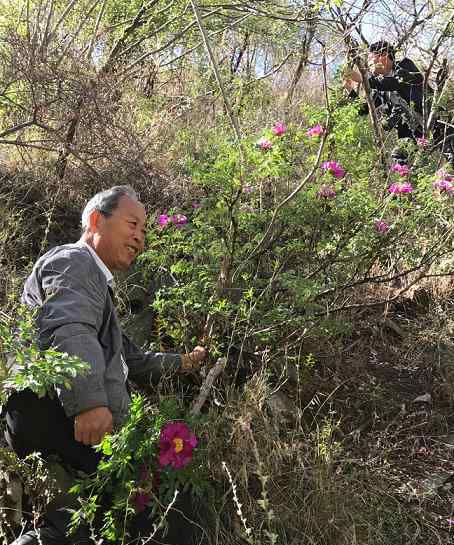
95,220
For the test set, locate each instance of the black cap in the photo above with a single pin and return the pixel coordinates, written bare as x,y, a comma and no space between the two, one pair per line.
383,47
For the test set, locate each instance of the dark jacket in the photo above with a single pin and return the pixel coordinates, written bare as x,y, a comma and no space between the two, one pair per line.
77,315
399,98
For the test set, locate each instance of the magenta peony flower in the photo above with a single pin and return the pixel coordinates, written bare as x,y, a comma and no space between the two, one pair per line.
264,144
326,192
333,168
176,444
400,188
163,220
406,188
381,226
179,220
402,170
279,129
422,142
316,130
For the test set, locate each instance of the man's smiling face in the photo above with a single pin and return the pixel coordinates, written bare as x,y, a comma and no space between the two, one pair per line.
119,238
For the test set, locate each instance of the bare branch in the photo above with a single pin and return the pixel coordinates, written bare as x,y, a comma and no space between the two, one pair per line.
138,22
213,62
205,389
17,128
77,31
63,16
95,31
45,38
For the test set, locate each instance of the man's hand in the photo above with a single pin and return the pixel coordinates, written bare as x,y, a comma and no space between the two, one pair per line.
353,75
350,85
192,361
91,426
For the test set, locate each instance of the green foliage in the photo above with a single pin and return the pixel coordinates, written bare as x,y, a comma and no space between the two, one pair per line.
24,365
227,282
129,471
30,475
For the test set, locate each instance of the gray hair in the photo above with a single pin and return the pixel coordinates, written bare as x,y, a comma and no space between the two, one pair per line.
107,201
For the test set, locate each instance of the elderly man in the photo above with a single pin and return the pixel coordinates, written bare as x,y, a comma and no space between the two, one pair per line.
72,286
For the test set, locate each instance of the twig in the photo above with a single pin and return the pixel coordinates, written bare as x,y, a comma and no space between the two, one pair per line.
191,49
76,32
63,16
219,366
46,36
217,75
95,31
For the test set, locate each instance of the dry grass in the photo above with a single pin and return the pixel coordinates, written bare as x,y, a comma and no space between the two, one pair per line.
354,465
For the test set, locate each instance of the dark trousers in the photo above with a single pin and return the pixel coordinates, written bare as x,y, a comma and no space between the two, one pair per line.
41,425
36,424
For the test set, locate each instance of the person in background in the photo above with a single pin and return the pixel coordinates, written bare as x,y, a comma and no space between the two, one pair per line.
397,89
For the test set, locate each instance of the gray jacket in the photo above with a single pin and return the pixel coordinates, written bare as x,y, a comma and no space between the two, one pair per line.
77,315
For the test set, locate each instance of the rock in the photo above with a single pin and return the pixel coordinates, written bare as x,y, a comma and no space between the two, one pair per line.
281,406
433,484
394,327
425,398
11,497
448,441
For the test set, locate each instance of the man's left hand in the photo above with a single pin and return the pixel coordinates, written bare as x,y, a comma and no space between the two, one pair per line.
91,426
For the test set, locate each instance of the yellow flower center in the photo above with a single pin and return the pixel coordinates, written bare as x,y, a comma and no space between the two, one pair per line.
178,442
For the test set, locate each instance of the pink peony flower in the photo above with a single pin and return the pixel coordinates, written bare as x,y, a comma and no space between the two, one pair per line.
443,185
443,174
402,170
176,444
264,144
326,192
248,189
381,226
179,220
333,168
316,130
163,220
279,129
400,188
422,142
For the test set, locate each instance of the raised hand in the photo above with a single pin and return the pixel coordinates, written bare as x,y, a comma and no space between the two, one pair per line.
193,360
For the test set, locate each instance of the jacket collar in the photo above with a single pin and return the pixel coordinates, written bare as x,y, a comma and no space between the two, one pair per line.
99,262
